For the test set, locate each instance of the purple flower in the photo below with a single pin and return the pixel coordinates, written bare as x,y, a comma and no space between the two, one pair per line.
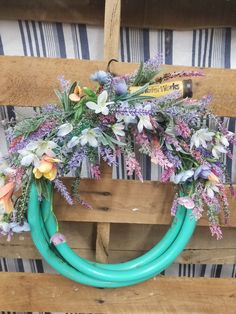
120,86
108,156
40,133
63,191
100,76
202,171
153,64
76,160
51,108
175,160
65,84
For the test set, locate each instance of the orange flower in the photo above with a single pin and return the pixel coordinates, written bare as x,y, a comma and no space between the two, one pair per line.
75,97
155,142
46,168
213,178
5,196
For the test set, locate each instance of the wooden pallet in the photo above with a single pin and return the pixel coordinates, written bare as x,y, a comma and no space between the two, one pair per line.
96,233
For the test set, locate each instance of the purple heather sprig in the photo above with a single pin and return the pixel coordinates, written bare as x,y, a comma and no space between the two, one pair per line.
65,84
62,189
44,129
76,160
153,64
108,155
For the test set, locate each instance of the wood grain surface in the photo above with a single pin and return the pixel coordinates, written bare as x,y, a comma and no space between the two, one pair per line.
30,81
44,292
129,241
161,14
124,201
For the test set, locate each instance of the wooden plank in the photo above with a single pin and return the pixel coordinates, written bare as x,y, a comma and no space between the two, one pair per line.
46,293
102,242
111,50
163,14
36,78
122,201
112,29
138,239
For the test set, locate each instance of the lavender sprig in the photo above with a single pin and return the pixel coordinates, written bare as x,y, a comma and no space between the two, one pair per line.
63,191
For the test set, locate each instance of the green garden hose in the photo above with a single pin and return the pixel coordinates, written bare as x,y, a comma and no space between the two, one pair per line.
62,258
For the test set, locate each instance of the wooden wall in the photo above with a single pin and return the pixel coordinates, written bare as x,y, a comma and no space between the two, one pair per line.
95,233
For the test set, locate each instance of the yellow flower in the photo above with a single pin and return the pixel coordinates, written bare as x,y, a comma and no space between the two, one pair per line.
75,97
46,168
5,197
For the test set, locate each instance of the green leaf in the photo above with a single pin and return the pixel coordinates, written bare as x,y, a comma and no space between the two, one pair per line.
27,126
71,90
138,75
89,92
112,140
79,111
59,95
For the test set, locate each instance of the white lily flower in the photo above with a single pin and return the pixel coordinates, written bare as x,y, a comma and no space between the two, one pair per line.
101,105
217,150
126,118
201,137
35,150
45,147
144,120
118,128
40,148
224,141
89,136
29,158
211,189
73,142
64,129
183,176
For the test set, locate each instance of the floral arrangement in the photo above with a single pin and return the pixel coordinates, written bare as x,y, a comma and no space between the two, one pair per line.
102,123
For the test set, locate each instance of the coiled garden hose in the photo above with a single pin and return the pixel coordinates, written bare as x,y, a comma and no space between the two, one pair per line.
63,259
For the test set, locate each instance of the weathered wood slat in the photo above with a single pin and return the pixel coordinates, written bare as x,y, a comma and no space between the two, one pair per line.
112,29
164,14
30,81
111,50
44,292
102,242
124,201
135,240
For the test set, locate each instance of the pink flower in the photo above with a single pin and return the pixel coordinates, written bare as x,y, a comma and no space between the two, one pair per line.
182,129
216,231
167,174
132,166
57,238
95,171
197,212
158,158
174,207
186,202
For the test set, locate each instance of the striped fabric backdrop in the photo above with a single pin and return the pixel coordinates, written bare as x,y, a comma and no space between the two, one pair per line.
206,47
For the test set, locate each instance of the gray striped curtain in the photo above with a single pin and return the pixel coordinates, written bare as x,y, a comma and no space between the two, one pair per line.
206,48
